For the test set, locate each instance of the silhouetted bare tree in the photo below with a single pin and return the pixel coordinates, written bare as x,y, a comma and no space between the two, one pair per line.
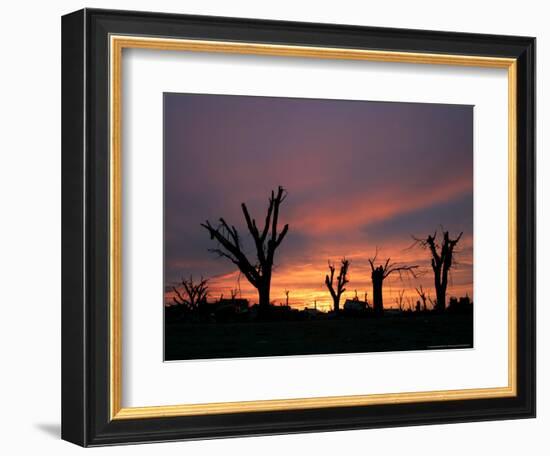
379,274
422,295
399,299
341,281
266,241
192,293
442,262
409,304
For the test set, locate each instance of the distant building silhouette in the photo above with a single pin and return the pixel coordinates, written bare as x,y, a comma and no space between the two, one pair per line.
460,305
237,304
312,313
355,305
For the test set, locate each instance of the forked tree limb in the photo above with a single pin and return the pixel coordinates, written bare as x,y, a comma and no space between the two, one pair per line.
266,241
341,281
442,257
193,293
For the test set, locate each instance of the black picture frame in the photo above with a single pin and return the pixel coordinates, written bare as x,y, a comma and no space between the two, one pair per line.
85,228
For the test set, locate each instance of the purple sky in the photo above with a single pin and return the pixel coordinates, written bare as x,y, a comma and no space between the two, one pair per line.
359,175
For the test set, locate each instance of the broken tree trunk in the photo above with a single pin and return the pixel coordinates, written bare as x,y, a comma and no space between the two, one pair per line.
379,274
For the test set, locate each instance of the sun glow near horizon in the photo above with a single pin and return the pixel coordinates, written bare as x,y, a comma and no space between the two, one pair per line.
305,281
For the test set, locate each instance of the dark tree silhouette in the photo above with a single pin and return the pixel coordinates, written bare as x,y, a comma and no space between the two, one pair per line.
266,241
379,274
341,281
442,262
192,294
399,300
422,295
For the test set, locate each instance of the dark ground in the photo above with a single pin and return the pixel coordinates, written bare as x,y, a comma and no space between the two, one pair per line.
246,339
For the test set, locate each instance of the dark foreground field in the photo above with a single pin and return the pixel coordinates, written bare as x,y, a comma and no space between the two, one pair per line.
389,333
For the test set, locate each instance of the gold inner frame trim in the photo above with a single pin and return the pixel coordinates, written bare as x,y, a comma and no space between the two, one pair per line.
117,44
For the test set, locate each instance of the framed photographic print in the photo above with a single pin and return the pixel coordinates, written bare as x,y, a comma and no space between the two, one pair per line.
275,227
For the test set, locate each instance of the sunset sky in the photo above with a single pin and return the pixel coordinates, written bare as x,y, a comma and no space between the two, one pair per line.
359,175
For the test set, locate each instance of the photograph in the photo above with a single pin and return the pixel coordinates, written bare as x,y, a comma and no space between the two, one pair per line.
299,226
272,226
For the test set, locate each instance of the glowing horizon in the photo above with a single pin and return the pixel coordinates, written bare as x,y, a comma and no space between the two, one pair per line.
306,284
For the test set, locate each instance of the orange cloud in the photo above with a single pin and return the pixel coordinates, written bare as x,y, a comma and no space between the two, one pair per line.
334,214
